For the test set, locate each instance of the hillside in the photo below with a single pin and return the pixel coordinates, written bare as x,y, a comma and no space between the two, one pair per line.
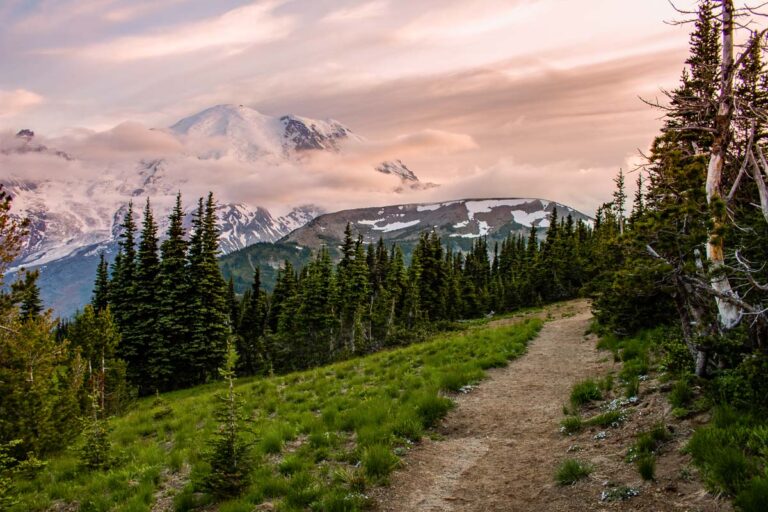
323,437
458,222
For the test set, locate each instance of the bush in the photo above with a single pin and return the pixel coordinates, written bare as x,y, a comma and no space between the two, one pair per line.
646,466
95,453
378,462
584,392
754,496
571,470
717,452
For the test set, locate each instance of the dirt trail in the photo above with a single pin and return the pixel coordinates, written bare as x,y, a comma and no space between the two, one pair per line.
500,447
501,443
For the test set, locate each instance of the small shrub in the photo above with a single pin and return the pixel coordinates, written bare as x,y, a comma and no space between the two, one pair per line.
571,470
378,462
95,453
571,425
584,392
646,466
754,496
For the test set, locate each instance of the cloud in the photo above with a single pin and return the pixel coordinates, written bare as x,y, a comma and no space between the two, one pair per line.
234,31
460,20
16,101
136,9
359,12
128,140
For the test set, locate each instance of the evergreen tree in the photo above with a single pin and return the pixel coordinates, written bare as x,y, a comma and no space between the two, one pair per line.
229,458
26,293
100,299
175,304
253,355
96,337
122,294
152,368
210,315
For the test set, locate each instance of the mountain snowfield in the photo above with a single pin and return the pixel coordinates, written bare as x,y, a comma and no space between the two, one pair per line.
458,222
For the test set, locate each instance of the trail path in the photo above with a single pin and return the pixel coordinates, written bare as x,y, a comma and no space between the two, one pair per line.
501,445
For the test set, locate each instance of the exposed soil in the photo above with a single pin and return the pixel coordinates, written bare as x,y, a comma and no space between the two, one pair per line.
498,450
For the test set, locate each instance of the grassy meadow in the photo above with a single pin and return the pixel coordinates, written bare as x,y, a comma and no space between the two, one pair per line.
320,438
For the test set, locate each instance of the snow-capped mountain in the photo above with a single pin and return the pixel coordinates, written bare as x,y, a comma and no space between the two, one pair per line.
247,135
458,222
76,207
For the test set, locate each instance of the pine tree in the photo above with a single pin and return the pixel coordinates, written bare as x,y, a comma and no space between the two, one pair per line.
152,360
252,353
96,337
122,294
620,200
100,299
26,293
210,315
174,300
229,458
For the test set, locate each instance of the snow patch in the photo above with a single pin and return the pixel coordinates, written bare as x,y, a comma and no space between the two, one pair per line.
371,222
486,206
428,207
395,226
527,219
461,224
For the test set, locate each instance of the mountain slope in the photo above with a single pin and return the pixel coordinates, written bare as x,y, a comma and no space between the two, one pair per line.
458,222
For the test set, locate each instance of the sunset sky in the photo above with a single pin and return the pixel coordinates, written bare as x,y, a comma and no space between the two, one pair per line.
529,98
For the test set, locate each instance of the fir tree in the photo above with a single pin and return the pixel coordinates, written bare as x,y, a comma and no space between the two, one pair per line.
229,458
210,315
26,293
152,360
174,300
100,299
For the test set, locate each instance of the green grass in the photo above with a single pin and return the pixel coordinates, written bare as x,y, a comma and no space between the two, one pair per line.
571,470
584,392
646,466
571,425
606,419
319,437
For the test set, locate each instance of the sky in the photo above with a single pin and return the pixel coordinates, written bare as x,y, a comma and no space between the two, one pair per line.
530,98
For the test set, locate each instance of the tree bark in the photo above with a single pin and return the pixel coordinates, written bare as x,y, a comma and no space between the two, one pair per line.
728,314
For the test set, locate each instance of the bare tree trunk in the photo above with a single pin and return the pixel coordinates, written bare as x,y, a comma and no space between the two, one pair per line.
729,314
